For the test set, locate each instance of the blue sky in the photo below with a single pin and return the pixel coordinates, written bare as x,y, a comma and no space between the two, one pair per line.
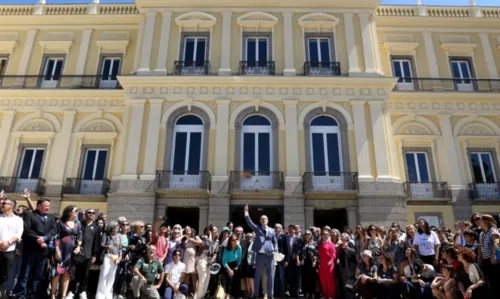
409,2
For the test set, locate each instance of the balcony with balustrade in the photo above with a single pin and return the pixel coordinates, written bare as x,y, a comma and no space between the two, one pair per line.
322,69
190,180
59,82
82,186
447,85
330,184
427,191
192,68
484,191
256,182
19,184
257,68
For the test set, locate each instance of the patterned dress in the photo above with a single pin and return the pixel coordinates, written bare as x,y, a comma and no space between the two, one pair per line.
66,239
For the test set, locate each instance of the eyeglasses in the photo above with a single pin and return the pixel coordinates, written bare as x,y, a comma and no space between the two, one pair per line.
177,254
142,226
308,234
6,203
125,224
476,219
90,213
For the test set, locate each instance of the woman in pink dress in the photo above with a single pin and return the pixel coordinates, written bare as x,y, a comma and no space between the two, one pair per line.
327,257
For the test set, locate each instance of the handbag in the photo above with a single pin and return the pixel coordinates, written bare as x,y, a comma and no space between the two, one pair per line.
59,269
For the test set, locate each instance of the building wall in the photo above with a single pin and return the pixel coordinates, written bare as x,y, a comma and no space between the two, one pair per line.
381,122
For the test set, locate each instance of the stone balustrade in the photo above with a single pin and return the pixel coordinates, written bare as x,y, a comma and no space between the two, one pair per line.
437,11
68,9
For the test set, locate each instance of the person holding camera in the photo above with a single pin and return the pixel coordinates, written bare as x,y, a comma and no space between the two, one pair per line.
146,271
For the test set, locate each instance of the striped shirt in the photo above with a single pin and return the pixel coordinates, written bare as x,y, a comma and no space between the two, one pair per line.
484,242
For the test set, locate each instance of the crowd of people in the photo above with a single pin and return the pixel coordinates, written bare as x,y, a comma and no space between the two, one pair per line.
46,256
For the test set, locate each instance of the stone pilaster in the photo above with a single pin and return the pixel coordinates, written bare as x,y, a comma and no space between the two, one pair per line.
309,221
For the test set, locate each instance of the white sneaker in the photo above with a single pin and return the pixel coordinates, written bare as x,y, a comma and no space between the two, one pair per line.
120,297
69,296
83,295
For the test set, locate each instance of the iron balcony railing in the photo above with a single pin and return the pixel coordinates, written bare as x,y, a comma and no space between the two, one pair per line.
486,191
181,179
87,187
316,68
18,184
60,82
416,190
256,180
257,68
448,84
196,68
330,181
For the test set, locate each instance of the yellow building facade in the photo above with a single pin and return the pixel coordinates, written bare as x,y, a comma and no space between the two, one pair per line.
313,112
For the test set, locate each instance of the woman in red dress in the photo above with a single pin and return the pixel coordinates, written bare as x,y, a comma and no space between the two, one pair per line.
327,257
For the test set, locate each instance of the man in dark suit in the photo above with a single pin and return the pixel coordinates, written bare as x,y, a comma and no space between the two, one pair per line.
264,245
293,269
279,276
39,232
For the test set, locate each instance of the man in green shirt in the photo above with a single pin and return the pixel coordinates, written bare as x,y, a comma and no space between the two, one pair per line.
146,271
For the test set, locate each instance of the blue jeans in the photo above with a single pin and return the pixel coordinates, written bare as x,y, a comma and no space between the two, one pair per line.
14,271
416,292
169,292
31,261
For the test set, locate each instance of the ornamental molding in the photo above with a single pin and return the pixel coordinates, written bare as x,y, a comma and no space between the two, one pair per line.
56,46
60,104
401,47
257,20
433,107
318,21
196,20
459,48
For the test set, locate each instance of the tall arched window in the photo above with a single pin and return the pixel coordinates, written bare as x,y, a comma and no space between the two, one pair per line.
256,150
187,150
326,149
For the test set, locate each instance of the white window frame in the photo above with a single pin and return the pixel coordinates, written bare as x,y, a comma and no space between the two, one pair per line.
186,129
407,84
318,39
109,82
481,165
460,83
30,172
95,162
326,130
257,39
51,83
256,130
196,38
417,166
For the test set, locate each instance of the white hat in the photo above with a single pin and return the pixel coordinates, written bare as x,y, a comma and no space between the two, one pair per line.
278,256
215,268
368,253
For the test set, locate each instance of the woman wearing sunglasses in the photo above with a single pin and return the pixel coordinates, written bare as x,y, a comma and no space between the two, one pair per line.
308,256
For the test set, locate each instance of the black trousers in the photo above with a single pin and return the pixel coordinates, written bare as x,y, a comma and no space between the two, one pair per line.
82,276
231,284
6,259
309,277
292,273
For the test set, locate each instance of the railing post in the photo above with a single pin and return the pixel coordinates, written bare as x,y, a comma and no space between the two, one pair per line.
421,9
93,7
39,7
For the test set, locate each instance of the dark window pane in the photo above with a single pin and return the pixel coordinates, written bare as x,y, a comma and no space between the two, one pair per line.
397,70
318,149
26,164
263,50
465,69
200,50
488,168
194,153
332,142
476,168
101,165
324,121
251,50
325,50
412,167
180,153
89,165
407,71
116,68
422,167
249,152
106,68
48,70
189,49
58,70
264,151
456,69
189,120
256,120
313,50
37,165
